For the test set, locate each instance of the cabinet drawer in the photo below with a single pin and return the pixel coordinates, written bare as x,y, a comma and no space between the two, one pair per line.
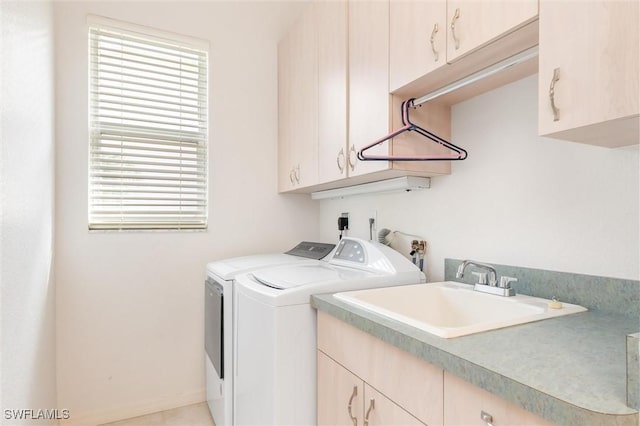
464,403
413,384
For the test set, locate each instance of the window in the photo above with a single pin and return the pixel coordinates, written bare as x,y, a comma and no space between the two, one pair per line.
148,130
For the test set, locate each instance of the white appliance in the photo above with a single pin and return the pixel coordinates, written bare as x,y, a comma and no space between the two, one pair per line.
275,354
219,318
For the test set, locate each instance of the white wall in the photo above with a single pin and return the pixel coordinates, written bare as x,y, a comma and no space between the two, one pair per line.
518,199
130,305
27,313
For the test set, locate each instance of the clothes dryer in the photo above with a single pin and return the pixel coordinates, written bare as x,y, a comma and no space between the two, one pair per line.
219,316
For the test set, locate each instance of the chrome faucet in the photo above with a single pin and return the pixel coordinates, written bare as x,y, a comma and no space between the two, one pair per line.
491,287
482,278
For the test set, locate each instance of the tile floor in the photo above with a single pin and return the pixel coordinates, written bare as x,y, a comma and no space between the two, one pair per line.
190,415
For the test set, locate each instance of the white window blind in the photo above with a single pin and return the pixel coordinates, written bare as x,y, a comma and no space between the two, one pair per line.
148,132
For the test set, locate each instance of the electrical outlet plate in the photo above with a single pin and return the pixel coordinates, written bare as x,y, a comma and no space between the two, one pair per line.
345,216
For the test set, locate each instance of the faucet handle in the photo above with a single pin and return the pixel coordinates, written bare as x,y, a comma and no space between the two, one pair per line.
505,282
482,277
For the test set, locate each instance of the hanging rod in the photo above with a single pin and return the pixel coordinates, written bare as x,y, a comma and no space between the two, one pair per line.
489,71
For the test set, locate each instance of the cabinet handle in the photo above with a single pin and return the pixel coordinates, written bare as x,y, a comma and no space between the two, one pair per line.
372,404
340,160
354,419
432,41
552,94
296,173
291,177
487,418
456,40
352,164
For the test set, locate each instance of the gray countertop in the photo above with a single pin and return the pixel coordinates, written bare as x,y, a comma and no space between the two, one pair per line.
570,370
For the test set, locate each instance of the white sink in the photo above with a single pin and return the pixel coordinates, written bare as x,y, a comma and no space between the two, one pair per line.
450,309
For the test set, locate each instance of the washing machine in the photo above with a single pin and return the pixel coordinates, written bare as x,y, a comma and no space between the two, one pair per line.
219,316
275,327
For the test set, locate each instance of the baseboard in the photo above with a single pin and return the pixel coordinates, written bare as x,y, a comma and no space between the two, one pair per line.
140,408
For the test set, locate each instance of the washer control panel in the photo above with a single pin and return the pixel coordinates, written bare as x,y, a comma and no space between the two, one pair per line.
351,251
311,250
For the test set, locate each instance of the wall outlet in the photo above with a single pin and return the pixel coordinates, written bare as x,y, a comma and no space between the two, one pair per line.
343,223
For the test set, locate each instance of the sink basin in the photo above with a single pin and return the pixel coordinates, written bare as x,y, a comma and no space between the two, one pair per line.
451,309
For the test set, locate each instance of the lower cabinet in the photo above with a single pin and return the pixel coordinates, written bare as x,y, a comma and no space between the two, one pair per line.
406,390
363,381
345,399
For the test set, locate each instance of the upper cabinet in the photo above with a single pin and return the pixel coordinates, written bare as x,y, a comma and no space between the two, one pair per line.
369,97
418,39
298,104
312,98
333,152
472,23
374,113
435,43
425,35
346,66
589,73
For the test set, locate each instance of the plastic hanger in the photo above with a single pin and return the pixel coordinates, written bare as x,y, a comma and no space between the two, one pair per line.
408,126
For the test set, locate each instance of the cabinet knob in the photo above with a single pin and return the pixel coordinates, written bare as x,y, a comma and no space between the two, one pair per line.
354,419
352,154
296,173
341,160
552,94
432,41
456,40
372,403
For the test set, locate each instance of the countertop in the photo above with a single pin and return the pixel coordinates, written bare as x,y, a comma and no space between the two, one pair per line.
570,370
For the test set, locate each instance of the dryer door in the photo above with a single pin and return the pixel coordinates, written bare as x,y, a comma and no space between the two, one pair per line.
214,325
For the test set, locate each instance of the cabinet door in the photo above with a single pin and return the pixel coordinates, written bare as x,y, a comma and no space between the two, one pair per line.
332,94
298,104
464,403
473,23
286,104
594,46
337,388
305,105
381,411
369,97
418,35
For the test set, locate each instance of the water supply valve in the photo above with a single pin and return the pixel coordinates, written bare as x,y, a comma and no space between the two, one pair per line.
418,249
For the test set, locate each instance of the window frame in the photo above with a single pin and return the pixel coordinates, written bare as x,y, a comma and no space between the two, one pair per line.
153,186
